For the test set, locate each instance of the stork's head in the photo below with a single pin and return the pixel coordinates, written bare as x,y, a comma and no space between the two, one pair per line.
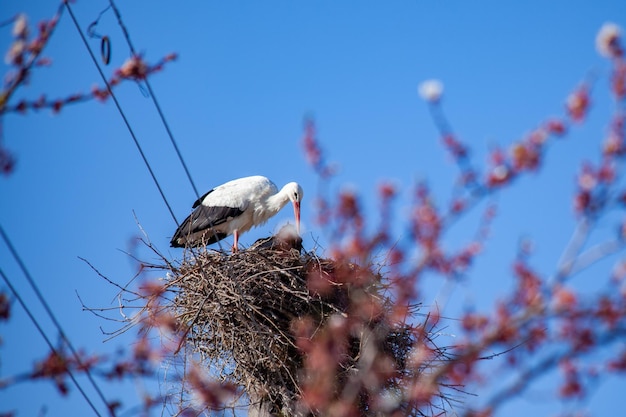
295,194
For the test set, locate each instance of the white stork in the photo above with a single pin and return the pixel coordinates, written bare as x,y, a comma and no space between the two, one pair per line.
233,208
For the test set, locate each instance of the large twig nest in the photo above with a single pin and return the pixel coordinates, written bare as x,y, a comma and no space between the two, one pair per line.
241,308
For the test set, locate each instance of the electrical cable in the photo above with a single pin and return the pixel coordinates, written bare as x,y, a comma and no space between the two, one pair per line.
119,108
154,99
26,273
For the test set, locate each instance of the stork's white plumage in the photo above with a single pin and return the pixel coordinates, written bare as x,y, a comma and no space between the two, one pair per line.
234,208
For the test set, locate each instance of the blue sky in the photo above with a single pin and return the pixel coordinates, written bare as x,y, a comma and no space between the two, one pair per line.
247,75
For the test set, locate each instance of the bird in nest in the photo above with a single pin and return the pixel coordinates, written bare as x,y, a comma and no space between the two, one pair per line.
234,208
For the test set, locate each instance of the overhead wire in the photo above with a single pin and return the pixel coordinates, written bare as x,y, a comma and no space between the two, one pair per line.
48,342
56,323
121,111
151,94
118,15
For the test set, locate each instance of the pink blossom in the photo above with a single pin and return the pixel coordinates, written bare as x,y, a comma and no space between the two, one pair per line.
607,40
20,27
430,90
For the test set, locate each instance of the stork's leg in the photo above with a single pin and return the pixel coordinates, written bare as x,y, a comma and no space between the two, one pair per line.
235,241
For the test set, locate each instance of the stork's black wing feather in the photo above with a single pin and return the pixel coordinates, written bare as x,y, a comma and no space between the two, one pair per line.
201,219
199,201
204,217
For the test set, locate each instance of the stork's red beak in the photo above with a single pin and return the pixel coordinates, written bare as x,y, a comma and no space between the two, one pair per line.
296,213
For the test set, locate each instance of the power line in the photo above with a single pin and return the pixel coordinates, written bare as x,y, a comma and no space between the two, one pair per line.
119,108
30,280
154,99
48,342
